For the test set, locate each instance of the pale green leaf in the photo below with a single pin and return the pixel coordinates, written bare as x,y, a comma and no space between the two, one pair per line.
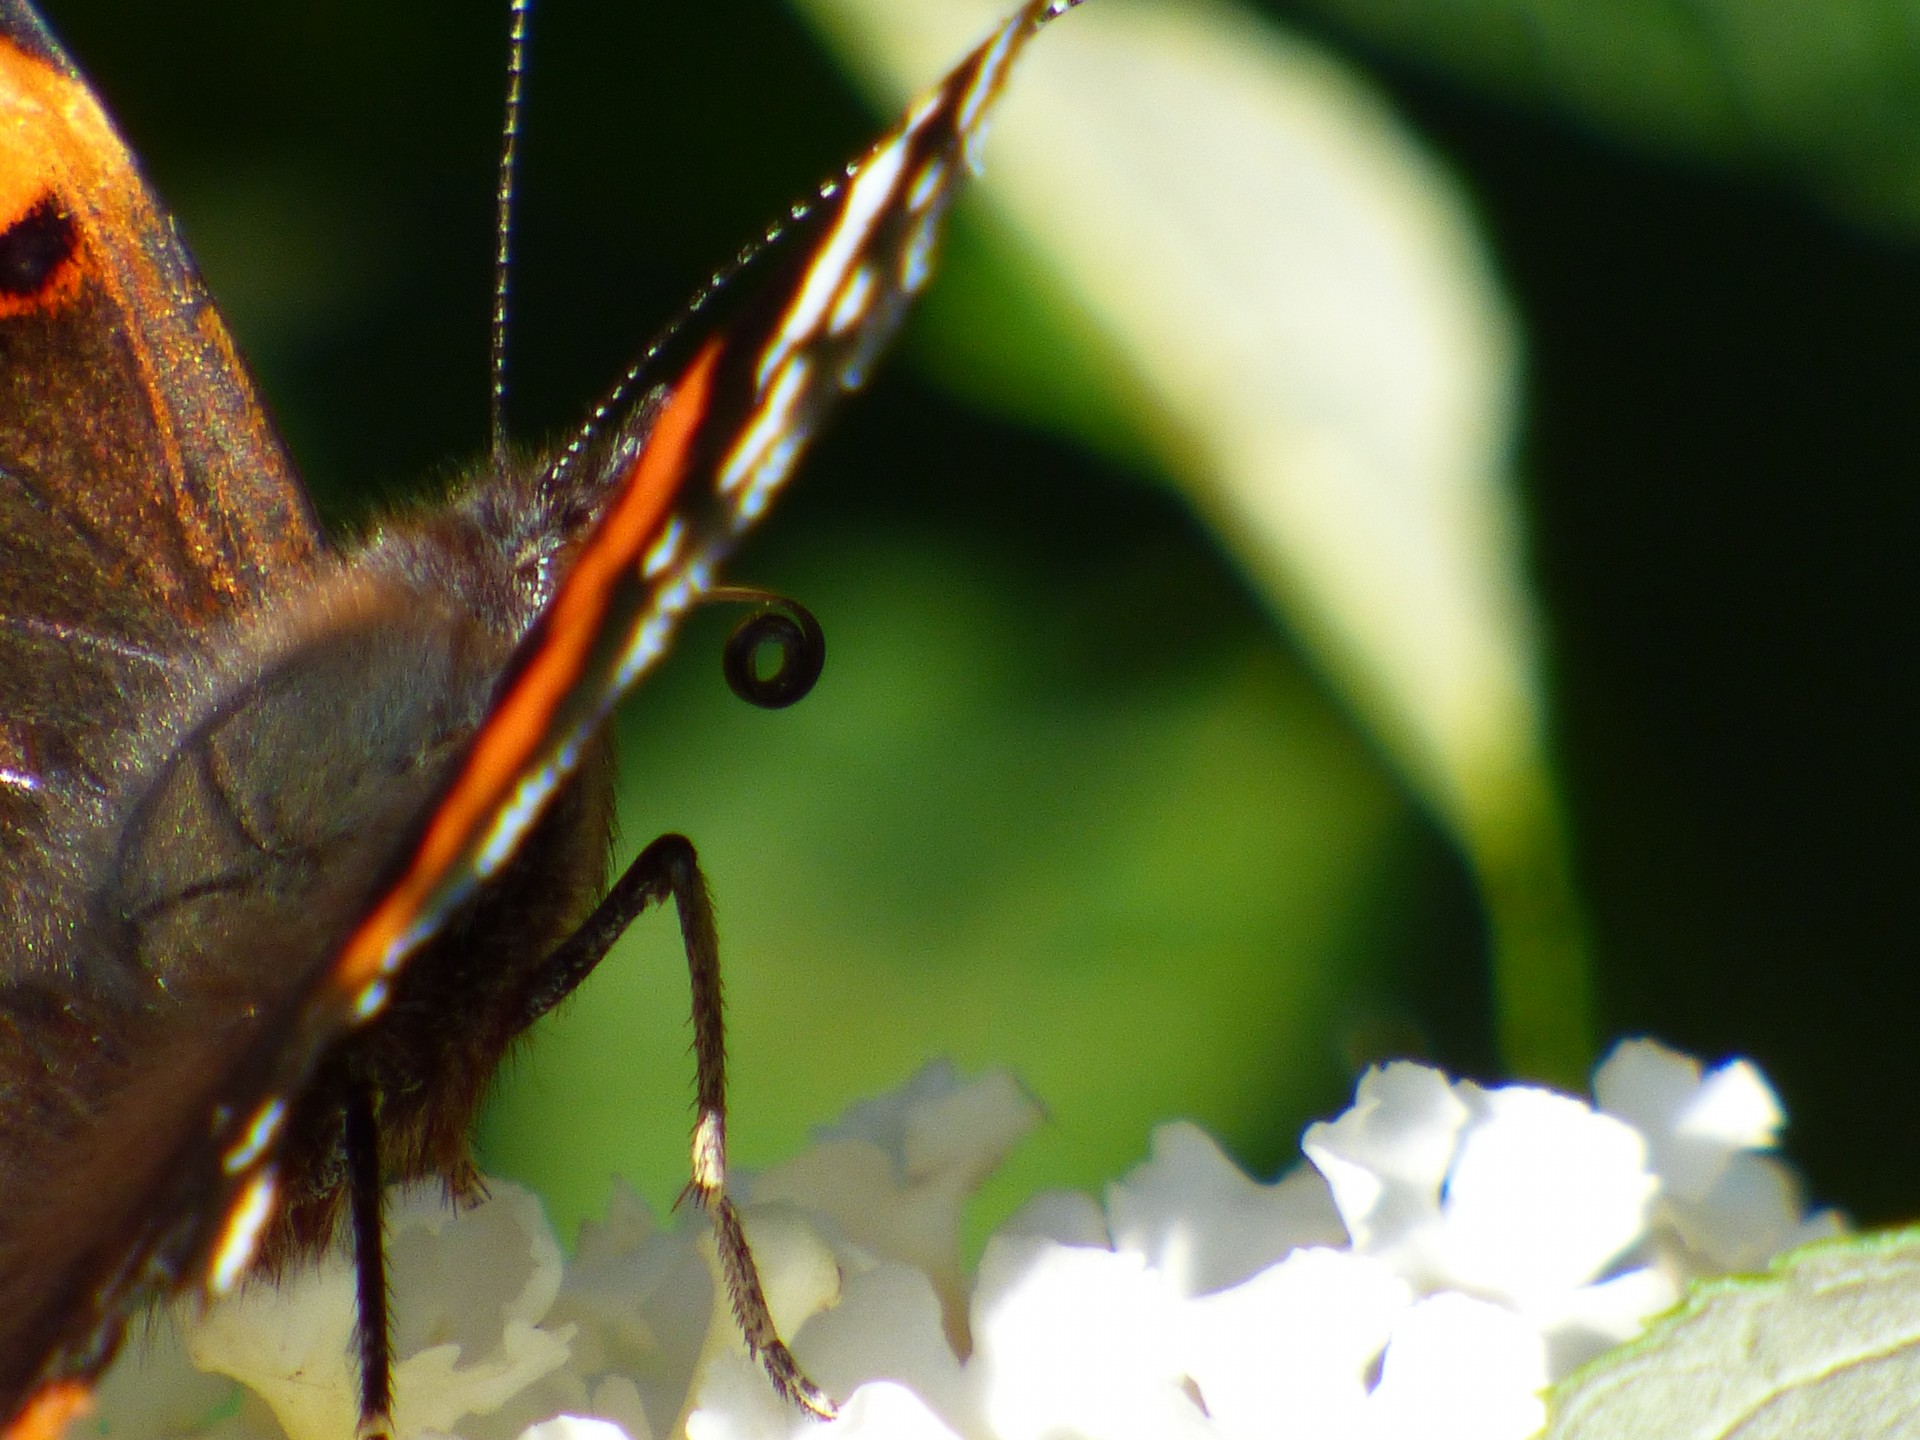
1826,1344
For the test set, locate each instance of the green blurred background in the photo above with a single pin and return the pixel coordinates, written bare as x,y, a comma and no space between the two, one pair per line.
1068,800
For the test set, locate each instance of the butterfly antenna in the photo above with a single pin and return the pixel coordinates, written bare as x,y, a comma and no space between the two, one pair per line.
1036,13
503,228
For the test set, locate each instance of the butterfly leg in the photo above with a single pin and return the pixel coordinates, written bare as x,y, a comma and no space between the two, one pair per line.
373,1326
669,867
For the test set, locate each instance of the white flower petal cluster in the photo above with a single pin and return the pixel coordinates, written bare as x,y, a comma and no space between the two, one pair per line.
1447,1251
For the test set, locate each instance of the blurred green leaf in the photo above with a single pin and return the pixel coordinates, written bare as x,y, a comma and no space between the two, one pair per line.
1826,92
1144,896
1291,305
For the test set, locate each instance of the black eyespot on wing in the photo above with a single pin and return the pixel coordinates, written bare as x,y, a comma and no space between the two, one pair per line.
35,251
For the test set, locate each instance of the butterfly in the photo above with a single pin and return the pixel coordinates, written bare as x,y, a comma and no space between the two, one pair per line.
296,838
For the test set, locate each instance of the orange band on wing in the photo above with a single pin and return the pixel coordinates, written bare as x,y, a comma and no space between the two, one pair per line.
31,95
519,724
50,1410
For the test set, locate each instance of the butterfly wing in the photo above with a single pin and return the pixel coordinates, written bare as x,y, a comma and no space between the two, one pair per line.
143,498
142,489
689,464
222,891
683,458
693,463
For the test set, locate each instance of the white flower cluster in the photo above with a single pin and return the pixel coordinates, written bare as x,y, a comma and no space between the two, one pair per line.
1448,1251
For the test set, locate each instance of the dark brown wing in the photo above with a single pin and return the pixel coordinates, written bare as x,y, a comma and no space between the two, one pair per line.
143,498
222,889
142,489
684,458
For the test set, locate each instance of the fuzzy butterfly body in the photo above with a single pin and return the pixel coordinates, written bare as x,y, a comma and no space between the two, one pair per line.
296,839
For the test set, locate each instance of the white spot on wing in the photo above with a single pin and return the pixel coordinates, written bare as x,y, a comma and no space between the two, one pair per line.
516,817
768,476
648,644
240,1236
265,1125
856,367
916,257
921,112
927,184
412,938
650,637
371,1000
771,420
873,187
852,301
665,550
987,79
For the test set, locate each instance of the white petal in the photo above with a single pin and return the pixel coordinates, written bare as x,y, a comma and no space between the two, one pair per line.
1078,1342
1067,1216
1299,1340
1597,1317
1736,1106
640,1301
1387,1157
1694,1124
471,1288
154,1389
1460,1369
1204,1223
883,1411
574,1427
936,1120
895,1175
1750,1215
889,1326
1543,1195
